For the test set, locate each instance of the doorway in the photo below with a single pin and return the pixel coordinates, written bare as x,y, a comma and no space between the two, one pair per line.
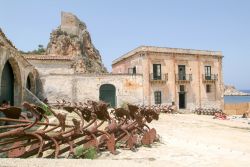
182,100
7,84
107,93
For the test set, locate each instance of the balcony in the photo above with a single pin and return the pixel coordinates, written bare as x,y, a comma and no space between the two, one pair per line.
158,78
183,78
209,78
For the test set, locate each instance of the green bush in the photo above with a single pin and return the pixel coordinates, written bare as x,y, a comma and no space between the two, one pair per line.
118,145
46,109
79,152
90,153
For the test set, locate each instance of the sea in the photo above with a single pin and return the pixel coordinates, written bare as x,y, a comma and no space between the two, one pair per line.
237,99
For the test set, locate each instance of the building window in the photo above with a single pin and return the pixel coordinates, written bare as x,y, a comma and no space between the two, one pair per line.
208,72
208,88
157,71
182,72
182,88
132,70
157,97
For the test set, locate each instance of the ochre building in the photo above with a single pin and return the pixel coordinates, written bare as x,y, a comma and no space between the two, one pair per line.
189,78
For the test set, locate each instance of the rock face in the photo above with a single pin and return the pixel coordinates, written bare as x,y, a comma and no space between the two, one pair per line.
230,90
72,39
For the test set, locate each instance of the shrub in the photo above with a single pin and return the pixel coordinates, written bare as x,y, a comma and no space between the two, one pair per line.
90,153
46,109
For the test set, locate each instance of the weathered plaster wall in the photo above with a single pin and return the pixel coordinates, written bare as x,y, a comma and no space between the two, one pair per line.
81,87
196,95
46,67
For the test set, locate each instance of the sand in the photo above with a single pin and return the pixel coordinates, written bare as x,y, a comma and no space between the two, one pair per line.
186,140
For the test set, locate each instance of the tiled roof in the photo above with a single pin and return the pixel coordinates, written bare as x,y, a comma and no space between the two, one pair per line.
166,50
48,57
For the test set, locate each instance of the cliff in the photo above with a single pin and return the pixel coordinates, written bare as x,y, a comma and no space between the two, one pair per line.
72,39
230,90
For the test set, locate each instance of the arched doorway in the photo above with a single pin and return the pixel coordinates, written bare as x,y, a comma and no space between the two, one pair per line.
30,83
10,82
107,93
7,84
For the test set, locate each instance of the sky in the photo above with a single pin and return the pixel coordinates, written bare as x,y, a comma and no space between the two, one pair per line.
118,26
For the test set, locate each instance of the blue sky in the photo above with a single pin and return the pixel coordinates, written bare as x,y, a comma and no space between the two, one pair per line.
118,26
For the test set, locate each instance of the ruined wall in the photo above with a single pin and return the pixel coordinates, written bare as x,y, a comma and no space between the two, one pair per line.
129,89
72,39
71,24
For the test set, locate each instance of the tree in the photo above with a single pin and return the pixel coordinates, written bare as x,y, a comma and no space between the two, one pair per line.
40,49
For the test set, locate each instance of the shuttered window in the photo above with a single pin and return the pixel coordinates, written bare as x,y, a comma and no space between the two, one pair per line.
157,97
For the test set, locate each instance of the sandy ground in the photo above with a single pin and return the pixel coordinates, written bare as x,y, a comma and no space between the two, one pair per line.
186,140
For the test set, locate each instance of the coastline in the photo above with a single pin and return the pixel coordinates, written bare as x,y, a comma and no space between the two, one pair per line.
230,90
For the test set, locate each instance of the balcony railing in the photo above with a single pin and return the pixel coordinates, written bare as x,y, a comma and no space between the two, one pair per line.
158,78
210,78
183,78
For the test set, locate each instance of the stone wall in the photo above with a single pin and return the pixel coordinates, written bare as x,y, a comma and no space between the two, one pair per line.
237,109
70,23
59,79
81,87
49,66
22,69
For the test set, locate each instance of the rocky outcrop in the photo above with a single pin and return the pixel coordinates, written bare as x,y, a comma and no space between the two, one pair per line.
230,90
72,39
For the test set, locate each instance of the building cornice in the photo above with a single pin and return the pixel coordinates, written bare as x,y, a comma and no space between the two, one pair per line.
167,50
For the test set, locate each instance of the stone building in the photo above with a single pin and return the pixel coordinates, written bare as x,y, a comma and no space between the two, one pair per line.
190,78
17,75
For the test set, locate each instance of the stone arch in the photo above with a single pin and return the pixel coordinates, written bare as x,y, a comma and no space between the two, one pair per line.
30,83
107,93
14,70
